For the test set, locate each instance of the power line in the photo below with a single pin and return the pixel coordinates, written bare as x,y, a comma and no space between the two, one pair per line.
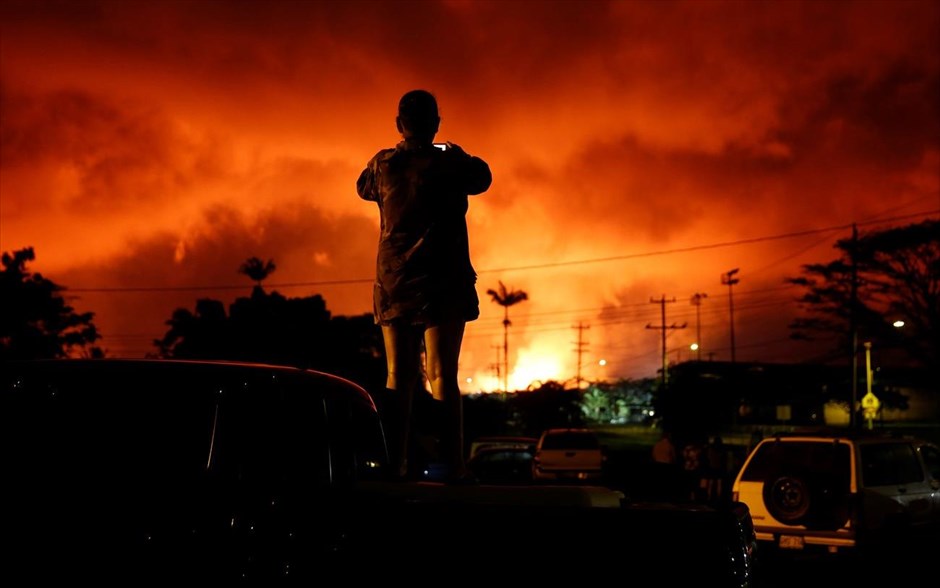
625,319
612,312
706,247
478,330
662,305
623,314
220,287
580,346
131,289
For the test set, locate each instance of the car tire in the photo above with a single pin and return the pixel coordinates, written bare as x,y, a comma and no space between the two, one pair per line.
817,502
787,498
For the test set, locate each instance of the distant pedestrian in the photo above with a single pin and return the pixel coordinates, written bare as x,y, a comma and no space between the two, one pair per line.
664,450
716,470
666,480
693,466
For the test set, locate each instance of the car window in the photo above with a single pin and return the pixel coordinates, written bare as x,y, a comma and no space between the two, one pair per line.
772,457
570,440
887,464
504,456
357,446
271,433
502,442
931,456
117,434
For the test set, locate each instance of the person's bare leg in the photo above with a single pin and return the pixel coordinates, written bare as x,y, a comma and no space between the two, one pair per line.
442,347
402,356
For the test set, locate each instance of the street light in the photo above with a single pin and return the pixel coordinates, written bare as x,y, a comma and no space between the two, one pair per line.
728,279
600,363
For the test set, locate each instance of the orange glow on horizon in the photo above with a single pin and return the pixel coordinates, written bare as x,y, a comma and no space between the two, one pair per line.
638,151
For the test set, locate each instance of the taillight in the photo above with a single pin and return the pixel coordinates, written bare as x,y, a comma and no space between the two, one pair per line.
734,496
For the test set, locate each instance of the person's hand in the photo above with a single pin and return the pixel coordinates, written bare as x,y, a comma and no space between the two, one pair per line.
455,147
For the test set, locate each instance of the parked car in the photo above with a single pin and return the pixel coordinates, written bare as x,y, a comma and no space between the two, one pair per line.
694,534
135,469
142,472
837,490
502,442
503,465
568,454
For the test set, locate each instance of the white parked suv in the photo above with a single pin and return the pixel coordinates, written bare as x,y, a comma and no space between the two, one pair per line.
840,489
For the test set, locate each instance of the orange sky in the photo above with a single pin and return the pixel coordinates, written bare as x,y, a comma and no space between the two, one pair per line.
160,144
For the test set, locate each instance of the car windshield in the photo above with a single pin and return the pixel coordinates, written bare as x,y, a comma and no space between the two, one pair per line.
504,456
570,440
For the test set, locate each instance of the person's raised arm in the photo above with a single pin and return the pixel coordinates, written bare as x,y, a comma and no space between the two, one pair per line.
479,177
365,185
476,176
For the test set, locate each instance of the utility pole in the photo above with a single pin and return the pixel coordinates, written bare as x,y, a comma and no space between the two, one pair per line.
662,303
728,279
579,349
496,365
697,303
853,325
506,324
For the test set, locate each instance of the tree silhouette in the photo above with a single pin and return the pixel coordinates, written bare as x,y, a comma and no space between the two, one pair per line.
35,320
272,328
257,270
506,298
548,405
880,277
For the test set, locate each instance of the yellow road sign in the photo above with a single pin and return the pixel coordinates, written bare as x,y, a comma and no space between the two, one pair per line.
870,401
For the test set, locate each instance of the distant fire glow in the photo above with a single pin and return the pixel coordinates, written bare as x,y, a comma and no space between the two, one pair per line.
149,148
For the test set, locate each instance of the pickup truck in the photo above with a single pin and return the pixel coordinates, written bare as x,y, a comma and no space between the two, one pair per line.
133,471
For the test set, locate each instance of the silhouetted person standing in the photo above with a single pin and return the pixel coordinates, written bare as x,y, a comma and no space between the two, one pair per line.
716,470
693,464
425,287
664,450
666,476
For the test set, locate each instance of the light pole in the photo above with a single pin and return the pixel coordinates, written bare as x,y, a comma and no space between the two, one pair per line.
696,301
728,279
870,402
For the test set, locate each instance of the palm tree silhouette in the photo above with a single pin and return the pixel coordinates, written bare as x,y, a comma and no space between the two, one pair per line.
506,298
257,270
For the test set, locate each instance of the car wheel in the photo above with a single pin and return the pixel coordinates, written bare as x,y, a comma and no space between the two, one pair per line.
787,498
816,502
